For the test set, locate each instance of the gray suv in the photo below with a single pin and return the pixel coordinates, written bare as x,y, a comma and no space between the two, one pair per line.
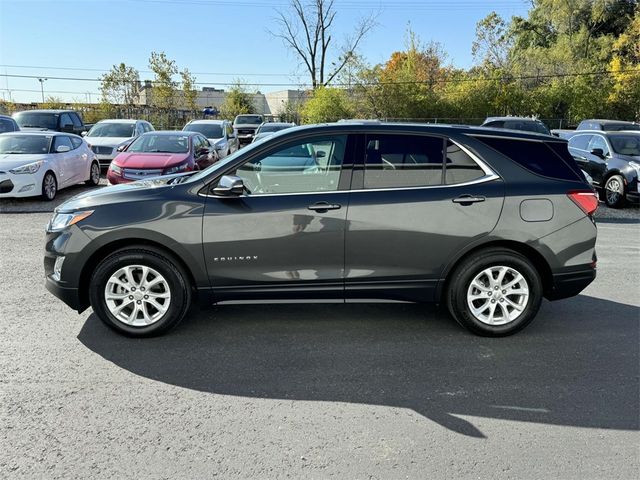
487,222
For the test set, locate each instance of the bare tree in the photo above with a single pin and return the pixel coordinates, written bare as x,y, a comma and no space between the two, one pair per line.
307,30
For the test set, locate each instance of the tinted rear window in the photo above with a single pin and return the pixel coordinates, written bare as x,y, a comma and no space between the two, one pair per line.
562,150
536,157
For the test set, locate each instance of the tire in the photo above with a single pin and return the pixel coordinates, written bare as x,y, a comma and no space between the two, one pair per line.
614,191
512,311
94,175
135,308
49,186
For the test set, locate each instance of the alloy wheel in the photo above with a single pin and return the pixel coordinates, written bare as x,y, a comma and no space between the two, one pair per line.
498,295
137,295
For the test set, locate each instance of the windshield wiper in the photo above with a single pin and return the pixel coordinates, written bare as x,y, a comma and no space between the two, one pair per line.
33,126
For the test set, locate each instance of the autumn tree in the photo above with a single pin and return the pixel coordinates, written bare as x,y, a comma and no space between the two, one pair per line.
189,93
308,29
121,85
164,87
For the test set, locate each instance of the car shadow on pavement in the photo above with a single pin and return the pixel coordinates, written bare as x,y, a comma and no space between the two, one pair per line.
576,365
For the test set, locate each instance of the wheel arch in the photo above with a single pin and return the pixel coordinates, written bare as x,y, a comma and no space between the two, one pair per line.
128,243
536,258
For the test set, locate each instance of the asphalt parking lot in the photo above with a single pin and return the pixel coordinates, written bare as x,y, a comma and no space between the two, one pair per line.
320,391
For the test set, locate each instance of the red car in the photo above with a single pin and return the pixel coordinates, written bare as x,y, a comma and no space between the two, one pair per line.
161,153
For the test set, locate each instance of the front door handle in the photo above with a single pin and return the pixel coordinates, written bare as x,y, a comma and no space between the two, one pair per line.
465,200
324,206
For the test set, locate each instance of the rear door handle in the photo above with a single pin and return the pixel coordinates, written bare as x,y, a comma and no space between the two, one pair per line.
468,199
324,206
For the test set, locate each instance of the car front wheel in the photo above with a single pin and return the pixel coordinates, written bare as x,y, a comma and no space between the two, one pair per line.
139,292
494,292
94,174
49,186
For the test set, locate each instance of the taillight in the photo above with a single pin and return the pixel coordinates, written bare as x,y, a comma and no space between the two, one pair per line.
587,200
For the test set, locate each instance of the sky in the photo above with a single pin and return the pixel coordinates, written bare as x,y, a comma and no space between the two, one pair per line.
217,40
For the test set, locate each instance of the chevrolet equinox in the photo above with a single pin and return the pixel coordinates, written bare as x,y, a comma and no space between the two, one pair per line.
485,221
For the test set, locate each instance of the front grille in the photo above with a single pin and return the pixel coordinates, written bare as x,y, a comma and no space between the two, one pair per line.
135,174
6,186
102,150
246,132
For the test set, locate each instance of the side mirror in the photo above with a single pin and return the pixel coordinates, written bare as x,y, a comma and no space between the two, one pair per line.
63,149
229,185
84,133
122,148
598,152
67,128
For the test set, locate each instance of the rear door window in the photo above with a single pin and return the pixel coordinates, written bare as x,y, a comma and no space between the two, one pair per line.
403,161
76,142
459,166
534,156
580,141
65,120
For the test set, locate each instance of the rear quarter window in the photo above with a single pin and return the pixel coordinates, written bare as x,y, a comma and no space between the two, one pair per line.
535,156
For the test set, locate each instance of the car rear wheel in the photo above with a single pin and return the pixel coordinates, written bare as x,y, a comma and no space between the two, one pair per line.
614,191
139,292
94,174
494,292
49,186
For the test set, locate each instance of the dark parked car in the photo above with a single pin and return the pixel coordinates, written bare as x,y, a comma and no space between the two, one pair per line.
161,153
8,124
612,159
68,121
486,222
525,124
607,125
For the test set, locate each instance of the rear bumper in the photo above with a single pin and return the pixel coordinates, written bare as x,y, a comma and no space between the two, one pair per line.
570,284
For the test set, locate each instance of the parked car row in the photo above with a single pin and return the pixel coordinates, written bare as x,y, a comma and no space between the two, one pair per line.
36,160
607,151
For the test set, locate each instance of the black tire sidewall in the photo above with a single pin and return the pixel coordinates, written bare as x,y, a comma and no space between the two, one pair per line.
90,181
180,292
466,272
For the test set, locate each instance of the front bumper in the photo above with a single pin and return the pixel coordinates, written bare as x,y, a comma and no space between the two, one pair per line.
570,284
23,185
70,296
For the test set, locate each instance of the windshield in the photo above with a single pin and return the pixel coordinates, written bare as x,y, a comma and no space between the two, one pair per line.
153,143
272,127
25,144
248,120
36,119
209,130
626,144
123,130
616,127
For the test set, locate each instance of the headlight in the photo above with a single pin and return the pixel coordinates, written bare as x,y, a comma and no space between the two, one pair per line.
61,221
115,169
636,167
178,168
29,168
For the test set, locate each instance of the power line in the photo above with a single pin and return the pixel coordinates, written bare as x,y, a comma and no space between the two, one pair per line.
408,82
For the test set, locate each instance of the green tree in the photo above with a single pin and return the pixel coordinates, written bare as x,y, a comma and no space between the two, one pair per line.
189,93
326,105
164,87
121,85
237,102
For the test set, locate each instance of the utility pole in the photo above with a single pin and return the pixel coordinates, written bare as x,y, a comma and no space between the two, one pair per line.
42,80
